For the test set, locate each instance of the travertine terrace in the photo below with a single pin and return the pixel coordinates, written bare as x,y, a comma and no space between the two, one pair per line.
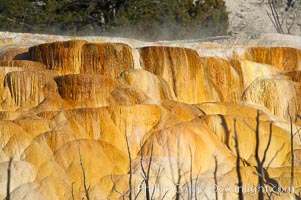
112,114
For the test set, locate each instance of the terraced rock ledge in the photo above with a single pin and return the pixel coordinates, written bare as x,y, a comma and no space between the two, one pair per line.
114,118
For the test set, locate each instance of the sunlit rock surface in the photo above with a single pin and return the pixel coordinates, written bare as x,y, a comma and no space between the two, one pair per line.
279,96
106,59
78,56
183,70
286,59
85,90
64,57
150,84
109,114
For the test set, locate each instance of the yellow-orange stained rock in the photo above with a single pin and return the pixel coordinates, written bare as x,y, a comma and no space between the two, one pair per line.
284,58
34,125
106,58
64,57
232,109
22,172
185,141
83,90
193,131
127,96
294,75
78,56
227,79
108,124
183,70
26,64
155,87
223,127
277,95
14,53
250,71
93,153
14,140
5,95
183,111
6,41
29,88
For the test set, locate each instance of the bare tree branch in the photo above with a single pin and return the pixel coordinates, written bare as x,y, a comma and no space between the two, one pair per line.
275,19
274,23
157,181
140,190
279,18
240,183
178,193
115,189
292,149
291,24
130,170
8,179
269,164
146,174
215,177
72,191
196,185
268,145
259,167
84,175
164,195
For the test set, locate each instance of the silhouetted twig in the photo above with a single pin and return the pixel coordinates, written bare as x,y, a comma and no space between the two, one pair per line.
239,183
277,17
84,175
139,191
178,192
292,149
156,182
275,155
196,185
130,170
8,179
259,167
274,17
215,178
262,172
72,191
146,173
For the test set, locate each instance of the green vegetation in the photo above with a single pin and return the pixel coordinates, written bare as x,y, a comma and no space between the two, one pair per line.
147,19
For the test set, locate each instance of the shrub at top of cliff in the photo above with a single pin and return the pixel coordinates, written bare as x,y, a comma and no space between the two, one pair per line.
148,19
172,19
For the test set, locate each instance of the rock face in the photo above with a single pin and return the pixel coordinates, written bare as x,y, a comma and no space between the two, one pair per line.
29,88
78,56
280,100
14,53
189,116
155,87
64,57
285,59
86,90
226,76
23,64
182,69
106,59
